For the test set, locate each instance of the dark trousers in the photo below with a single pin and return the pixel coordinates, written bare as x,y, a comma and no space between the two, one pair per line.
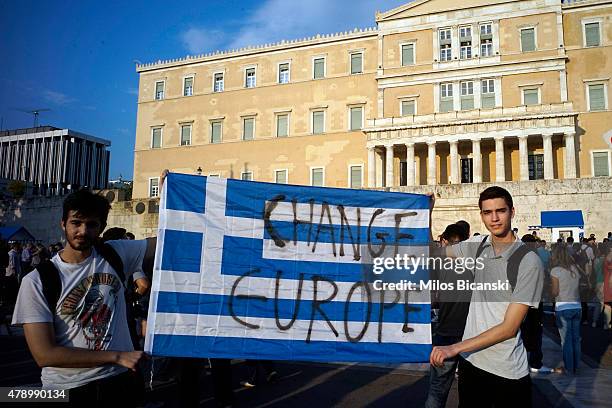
189,381
126,389
481,389
531,333
441,378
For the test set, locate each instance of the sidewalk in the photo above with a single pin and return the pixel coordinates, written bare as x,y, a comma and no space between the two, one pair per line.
592,387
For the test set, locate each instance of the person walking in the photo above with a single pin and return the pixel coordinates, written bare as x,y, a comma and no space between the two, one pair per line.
565,278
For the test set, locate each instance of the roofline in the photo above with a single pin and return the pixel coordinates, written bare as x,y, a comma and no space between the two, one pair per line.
53,133
280,45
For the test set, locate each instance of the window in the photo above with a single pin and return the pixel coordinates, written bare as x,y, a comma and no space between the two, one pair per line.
154,187
283,73
356,62
188,86
465,52
356,176
486,30
465,38
531,96
317,177
446,97
445,35
247,176
156,138
408,107
318,122
250,79
318,68
159,90
356,118
486,48
282,125
407,54
466,170
487,96
218,85
280,176
601,164
185,135
536,166
248,128
465,32
596,97
467,95
528,42
216,129
446,52
592,36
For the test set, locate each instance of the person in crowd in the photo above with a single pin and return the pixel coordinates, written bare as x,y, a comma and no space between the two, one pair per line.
26,259
532,326
598,272
565,288
130,236
72,309
607,286
570,245
453,310
14,264
493,367
465,225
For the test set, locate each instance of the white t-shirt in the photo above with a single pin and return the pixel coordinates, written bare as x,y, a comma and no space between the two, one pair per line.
508,358
90,312
569,288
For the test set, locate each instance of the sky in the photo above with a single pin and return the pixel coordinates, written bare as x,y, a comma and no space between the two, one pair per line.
78,58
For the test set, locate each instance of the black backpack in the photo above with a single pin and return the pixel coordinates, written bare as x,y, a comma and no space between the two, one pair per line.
512,269
52,284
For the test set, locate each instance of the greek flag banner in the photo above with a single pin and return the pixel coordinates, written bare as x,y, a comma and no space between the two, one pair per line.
257,270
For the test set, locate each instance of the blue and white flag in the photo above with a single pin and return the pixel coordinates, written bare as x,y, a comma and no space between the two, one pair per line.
271,271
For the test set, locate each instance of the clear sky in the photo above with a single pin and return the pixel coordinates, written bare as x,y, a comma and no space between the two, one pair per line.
76,58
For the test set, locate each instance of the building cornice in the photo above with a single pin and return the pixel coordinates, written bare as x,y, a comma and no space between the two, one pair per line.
574,4
251,50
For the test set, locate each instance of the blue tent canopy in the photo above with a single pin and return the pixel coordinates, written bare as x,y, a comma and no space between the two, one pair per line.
557,219
15,233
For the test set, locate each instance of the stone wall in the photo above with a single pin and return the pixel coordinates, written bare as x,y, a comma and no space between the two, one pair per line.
593,196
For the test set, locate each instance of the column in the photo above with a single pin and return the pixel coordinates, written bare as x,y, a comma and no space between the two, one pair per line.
410,164
523,158
389,166
570,156
548,157
454,162
500,164
431,163
477,168
371,167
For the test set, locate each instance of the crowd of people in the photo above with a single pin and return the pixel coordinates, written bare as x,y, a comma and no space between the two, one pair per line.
83,308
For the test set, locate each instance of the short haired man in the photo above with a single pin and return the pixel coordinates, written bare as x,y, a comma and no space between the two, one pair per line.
83,343
493,369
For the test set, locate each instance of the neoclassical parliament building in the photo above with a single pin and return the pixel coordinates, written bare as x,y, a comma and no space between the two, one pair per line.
440,92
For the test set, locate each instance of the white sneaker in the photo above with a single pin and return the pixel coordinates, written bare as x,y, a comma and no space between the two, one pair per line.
541,370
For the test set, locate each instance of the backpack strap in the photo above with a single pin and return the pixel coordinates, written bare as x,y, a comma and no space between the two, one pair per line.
114,260
51,283
512,269
479,250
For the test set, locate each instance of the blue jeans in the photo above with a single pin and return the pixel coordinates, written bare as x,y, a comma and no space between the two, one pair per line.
568,322
441,379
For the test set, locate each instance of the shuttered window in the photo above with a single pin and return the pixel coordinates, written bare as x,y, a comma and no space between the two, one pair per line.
248,129
597,98
356,177
282,125
185,135
530,97
591,34
601,163
528,39
407,54
408,108
215,132
319,68
281,176
317,177
356,117
318,122
356,63
156,138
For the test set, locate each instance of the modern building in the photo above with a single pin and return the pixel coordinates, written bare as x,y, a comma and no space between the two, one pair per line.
53,160
440,92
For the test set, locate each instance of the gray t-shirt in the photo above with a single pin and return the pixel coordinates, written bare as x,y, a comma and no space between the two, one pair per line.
90,312
508,358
